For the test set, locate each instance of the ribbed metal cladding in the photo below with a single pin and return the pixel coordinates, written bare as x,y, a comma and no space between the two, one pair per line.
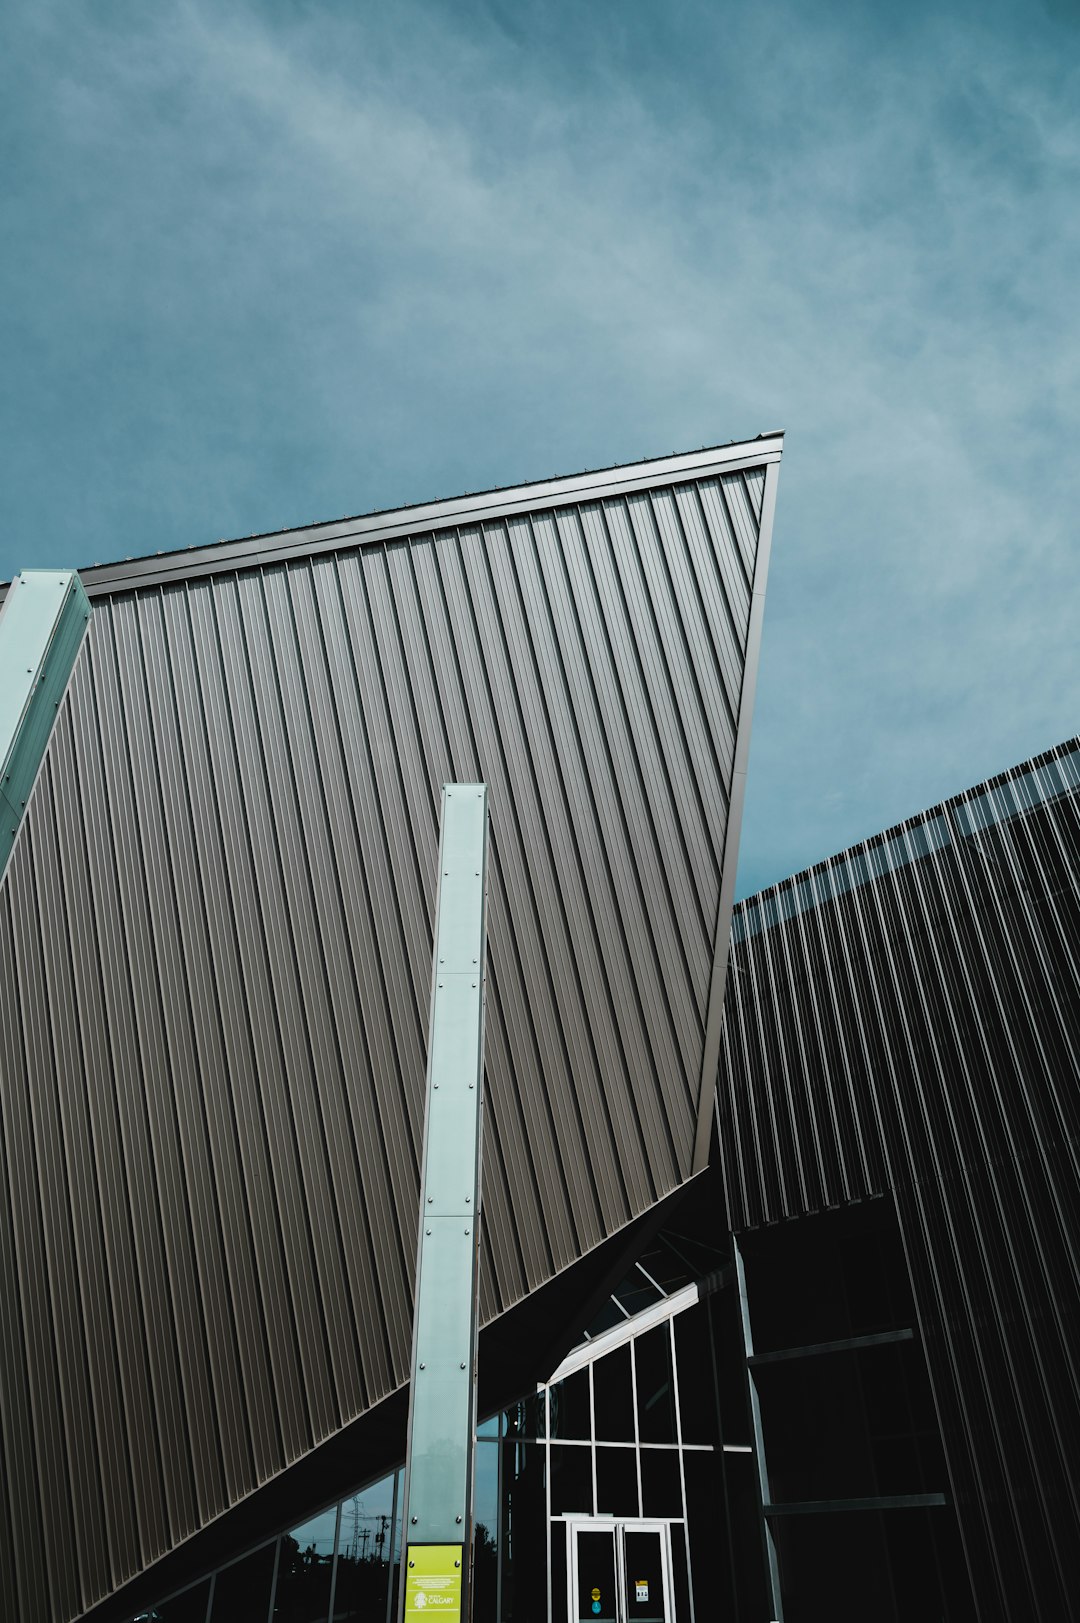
215,955
907,1017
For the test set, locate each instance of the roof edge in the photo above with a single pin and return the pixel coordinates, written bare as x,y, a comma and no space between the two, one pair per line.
274,546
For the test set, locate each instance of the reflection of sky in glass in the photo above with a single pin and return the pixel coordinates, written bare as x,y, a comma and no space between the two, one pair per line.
317,1533
486,1508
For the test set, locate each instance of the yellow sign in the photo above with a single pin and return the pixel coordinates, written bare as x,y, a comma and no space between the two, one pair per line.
433,1581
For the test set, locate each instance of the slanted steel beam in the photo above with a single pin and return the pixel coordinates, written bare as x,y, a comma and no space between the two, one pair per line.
42,625
442,1402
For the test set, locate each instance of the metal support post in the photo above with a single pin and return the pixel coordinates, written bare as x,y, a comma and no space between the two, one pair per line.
442,1404
772,1562
42,625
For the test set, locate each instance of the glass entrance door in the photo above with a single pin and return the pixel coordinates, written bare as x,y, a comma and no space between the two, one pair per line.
619,1572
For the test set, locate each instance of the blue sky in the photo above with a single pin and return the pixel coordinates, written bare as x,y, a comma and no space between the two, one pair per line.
264,264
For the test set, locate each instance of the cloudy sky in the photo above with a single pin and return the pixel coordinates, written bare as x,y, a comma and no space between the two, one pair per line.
270,263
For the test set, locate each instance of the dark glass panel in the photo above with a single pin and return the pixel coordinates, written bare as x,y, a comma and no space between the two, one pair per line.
523,1531
597,1601
242,1591
616,1482
725,1562
366,1551
697,1389
560,1534
485,1534
661,1487
608,1314
190,1607
828,1277
637,1291
727,1336
570,1414
571,1478
528,1417
848,1567
305,1564
613,1397
644,1574
655,1391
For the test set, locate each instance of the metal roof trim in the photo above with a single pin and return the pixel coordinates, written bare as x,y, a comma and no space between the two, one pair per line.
394,523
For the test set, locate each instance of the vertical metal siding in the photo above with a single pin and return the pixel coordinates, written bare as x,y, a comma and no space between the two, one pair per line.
215,940
907,1017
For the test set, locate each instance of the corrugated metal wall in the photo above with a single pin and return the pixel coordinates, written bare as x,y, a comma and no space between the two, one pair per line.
215,950
907,1017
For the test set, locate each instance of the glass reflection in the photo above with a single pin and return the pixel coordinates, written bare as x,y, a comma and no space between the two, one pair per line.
369,1525
305,1566
655,1386
485,1534
190,1607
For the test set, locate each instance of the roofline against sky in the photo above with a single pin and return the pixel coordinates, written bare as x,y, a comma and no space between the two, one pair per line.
161,568
906,824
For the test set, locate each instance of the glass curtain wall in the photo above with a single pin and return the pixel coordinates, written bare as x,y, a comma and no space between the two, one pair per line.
648,1421
629,1429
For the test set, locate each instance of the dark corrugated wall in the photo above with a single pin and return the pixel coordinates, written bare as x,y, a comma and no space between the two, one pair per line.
215,949
907,1017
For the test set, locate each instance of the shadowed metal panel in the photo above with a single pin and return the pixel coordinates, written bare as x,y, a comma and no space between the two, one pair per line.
907,1017
215,949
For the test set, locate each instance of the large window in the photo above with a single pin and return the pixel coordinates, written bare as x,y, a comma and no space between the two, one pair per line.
648,1423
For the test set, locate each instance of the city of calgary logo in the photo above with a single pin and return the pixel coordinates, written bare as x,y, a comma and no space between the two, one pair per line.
423,1599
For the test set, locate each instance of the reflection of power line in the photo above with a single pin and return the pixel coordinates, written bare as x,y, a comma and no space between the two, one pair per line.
356,1542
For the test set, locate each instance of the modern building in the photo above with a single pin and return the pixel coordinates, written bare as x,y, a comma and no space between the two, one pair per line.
778,1288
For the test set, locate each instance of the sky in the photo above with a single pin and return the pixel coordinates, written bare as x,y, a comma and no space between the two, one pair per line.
265,264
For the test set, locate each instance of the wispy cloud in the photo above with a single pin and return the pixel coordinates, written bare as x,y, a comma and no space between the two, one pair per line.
280,263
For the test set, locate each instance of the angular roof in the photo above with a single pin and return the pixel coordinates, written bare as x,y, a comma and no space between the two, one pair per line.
217,925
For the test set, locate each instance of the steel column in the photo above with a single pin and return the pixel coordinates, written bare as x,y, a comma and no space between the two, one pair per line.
42,624
442,1409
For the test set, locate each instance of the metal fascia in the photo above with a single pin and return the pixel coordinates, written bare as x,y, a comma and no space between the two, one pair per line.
715,1006
395,523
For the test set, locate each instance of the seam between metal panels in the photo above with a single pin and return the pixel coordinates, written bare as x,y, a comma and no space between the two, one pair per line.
182,1205
463,758
117,997
588,1195
193,916
85,1312
350,1323
258,948
625,648
651,831
391,1230
658,1127
627,560
533,660
139,1419
221,925
715,1006
294,1038
31,1171
597,876
504,812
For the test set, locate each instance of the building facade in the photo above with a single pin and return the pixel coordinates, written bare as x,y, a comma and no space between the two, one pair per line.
778,1284
215,959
